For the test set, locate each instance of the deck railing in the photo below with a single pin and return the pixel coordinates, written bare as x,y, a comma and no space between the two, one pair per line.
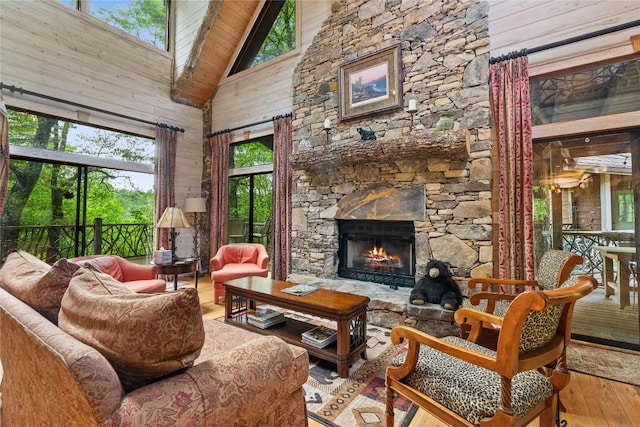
584,242
52,242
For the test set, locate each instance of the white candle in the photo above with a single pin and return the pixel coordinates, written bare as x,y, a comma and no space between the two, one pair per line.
412,105
327,124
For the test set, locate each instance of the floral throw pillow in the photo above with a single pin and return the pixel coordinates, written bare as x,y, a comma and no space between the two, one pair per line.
144,336
37,283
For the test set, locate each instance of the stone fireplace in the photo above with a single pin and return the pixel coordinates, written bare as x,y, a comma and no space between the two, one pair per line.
436,183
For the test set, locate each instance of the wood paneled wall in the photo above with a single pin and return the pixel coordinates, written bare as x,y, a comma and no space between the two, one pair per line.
49,48
514,25
266,90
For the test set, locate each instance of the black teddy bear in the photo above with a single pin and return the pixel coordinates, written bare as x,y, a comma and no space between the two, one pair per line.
437,287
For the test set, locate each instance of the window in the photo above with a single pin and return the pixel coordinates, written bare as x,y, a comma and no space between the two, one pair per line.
273,34
596,91
144,19
253,153
95,176
251,191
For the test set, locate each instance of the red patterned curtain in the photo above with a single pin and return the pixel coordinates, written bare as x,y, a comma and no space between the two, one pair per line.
219,186
511,105
164,174
283,176
4,154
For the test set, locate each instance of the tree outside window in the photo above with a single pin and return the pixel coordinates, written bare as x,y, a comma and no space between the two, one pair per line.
144,19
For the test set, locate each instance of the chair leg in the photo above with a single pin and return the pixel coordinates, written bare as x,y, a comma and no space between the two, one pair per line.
218,292
390,415
559,422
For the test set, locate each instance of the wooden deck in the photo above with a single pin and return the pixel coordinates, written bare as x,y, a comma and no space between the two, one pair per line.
598,316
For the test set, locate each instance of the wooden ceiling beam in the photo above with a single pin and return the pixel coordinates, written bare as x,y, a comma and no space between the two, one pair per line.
221,32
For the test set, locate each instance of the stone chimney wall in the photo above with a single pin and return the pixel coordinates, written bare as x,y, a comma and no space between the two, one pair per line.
445,54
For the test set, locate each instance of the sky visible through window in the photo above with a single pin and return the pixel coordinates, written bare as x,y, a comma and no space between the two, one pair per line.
89,141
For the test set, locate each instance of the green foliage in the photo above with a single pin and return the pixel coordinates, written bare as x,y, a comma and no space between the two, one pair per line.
540,204
254,153
42,194
144,19
282,36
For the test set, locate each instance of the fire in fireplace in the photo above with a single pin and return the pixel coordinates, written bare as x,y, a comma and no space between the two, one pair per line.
377,251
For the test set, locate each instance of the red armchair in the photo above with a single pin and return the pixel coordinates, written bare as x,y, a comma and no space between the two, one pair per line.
137,277
237,260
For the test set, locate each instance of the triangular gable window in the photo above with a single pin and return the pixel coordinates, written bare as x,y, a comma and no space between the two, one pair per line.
273,34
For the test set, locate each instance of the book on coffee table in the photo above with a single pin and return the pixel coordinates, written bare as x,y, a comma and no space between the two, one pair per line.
320,336
263,313
300,290
265,317
267,323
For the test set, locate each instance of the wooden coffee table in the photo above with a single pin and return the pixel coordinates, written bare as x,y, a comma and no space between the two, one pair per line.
349,311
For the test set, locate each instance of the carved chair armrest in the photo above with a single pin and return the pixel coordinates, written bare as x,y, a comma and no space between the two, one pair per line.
477,321
466,315
416,338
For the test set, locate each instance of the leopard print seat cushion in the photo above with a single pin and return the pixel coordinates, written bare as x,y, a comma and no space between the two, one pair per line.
448,380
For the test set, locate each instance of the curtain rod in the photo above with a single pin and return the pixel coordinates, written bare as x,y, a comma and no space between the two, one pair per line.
218,132
22,91
565,42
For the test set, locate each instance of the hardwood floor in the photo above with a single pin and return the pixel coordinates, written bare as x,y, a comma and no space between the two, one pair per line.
589,401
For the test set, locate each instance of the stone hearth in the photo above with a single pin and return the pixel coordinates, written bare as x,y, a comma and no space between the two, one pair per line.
389,308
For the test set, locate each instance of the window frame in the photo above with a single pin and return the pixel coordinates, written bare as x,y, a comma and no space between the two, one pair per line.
83,6
272,62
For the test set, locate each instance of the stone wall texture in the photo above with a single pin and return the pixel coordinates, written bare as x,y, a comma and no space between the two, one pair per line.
445,68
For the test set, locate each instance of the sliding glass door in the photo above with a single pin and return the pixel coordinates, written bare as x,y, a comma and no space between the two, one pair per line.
251,191
586,198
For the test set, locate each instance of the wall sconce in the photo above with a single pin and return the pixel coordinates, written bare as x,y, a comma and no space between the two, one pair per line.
413,108
195,205
173,218
327,128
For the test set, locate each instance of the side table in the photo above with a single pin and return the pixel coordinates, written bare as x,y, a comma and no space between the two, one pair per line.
179,267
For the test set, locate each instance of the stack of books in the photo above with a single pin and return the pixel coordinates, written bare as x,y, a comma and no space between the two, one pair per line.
320,336
264,317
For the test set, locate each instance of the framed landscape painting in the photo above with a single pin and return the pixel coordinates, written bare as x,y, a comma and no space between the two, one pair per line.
371,84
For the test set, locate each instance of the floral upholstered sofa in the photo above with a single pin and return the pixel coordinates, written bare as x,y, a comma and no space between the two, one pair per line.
80,349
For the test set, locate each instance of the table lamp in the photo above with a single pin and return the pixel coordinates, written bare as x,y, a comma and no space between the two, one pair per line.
195,205
173,218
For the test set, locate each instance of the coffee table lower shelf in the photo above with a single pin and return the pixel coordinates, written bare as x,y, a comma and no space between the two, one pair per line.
291,331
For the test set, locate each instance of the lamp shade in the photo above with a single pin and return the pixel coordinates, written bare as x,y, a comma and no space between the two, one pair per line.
173,218
195,204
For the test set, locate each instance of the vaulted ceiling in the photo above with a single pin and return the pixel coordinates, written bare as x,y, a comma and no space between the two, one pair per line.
221,32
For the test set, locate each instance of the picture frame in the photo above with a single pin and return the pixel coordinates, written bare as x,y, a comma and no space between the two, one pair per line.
371,84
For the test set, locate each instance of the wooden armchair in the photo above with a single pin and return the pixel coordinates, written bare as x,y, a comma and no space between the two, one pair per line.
465,384
495,295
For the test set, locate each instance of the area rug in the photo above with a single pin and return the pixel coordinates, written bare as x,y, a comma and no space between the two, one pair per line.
360,399
604,362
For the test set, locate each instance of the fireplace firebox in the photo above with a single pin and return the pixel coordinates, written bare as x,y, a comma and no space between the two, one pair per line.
377,251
